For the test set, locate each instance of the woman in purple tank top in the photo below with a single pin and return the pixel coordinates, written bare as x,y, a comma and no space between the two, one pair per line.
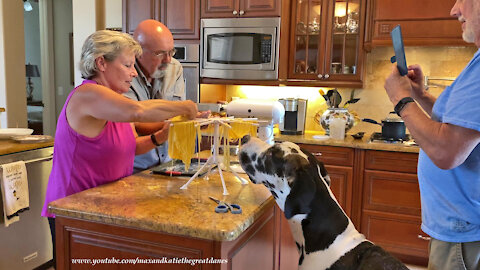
95,142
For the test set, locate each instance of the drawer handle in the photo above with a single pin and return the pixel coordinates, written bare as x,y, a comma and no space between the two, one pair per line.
317,154
424,237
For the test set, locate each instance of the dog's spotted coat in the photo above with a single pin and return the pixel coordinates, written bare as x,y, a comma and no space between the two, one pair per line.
324,235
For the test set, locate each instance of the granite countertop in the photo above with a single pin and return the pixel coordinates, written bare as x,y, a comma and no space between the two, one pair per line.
156,203
349,141
10,146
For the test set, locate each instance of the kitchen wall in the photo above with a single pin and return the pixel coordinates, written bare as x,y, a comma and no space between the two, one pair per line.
374,102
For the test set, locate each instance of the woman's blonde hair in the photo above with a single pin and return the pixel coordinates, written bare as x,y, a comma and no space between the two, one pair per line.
108,44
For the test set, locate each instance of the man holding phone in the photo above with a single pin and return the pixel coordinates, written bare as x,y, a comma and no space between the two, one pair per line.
448,132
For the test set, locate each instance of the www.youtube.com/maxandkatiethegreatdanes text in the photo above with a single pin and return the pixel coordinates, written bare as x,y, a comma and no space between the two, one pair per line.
137,260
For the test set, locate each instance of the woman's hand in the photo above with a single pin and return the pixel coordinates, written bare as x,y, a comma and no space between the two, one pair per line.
191,109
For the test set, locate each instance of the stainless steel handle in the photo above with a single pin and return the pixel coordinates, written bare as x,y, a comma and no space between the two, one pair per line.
326,76
39,159
317,154
320,76
242,12
189,65
235,12
424,237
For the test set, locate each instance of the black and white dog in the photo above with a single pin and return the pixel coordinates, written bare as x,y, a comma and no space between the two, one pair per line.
325,236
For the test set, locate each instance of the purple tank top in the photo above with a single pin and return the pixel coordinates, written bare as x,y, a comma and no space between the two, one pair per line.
80,162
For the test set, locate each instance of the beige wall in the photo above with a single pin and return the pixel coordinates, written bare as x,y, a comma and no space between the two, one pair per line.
374,102
12,65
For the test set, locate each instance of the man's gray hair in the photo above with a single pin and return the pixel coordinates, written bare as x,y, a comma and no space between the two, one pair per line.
106,43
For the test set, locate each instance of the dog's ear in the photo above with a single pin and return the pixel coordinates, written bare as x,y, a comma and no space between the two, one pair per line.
302,188
317,167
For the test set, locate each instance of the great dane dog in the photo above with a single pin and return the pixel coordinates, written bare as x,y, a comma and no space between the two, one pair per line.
325,236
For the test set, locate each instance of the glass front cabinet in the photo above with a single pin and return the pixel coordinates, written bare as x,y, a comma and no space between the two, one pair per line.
327,42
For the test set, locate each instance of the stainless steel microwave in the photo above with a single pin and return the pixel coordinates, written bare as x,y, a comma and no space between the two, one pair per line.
240,49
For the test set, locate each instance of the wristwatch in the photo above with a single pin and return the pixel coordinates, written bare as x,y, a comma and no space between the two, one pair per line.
401,104
154,140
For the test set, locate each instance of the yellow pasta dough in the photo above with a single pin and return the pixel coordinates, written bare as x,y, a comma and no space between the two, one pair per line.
241,128
181,141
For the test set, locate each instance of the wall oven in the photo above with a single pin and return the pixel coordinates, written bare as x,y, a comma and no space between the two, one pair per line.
188,56
242,49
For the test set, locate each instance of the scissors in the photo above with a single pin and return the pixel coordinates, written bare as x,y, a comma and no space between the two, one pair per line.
223,207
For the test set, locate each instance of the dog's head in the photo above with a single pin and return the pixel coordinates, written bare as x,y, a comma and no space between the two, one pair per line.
292,174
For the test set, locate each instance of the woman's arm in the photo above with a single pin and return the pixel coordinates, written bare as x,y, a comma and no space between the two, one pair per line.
145,144
92,105
102,103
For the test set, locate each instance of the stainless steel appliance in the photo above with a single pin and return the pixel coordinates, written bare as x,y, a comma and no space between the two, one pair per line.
243,49
295,114
26,244
188,55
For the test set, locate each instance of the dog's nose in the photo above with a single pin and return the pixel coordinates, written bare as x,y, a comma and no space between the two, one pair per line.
245,139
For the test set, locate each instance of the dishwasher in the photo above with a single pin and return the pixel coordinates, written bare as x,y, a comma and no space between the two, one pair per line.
26,244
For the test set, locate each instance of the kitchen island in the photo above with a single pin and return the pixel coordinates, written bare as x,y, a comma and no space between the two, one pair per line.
148,216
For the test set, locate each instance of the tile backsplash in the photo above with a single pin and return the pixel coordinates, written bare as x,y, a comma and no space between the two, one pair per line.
374,102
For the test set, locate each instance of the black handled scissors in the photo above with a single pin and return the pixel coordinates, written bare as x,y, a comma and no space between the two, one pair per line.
223,207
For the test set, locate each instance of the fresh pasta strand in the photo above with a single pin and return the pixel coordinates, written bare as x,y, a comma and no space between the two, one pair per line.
181,141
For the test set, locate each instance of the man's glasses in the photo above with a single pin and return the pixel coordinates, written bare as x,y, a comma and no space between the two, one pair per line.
162,54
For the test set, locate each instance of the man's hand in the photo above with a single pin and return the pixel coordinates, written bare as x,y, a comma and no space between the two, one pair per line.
415,74
397,86
162,134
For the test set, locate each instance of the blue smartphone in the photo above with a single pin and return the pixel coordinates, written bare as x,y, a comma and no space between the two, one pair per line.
399,49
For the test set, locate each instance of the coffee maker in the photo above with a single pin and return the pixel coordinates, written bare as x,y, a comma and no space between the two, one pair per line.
295,115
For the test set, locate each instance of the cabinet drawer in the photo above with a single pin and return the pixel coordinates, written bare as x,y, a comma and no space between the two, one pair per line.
331,155
391,192
391,161
399,234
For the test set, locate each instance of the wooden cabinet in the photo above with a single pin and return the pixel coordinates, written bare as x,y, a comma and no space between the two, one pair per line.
426,22
339,164
391,214
181,17
240,8
379,191
326,43
135,11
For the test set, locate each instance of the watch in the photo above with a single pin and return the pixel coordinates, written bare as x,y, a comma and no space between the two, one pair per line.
401,104
154,140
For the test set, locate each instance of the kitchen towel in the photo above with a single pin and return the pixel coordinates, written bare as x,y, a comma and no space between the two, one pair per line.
14,185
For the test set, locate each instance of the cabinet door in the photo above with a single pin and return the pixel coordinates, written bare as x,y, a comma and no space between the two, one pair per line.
399,234
426,22
182,18
259,8
327,42
220,8
341,185
344,51
135,11
308,23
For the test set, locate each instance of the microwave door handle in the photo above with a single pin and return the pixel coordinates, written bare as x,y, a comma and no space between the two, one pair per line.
190,64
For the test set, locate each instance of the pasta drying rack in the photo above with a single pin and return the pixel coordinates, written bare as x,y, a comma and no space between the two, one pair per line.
214,159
